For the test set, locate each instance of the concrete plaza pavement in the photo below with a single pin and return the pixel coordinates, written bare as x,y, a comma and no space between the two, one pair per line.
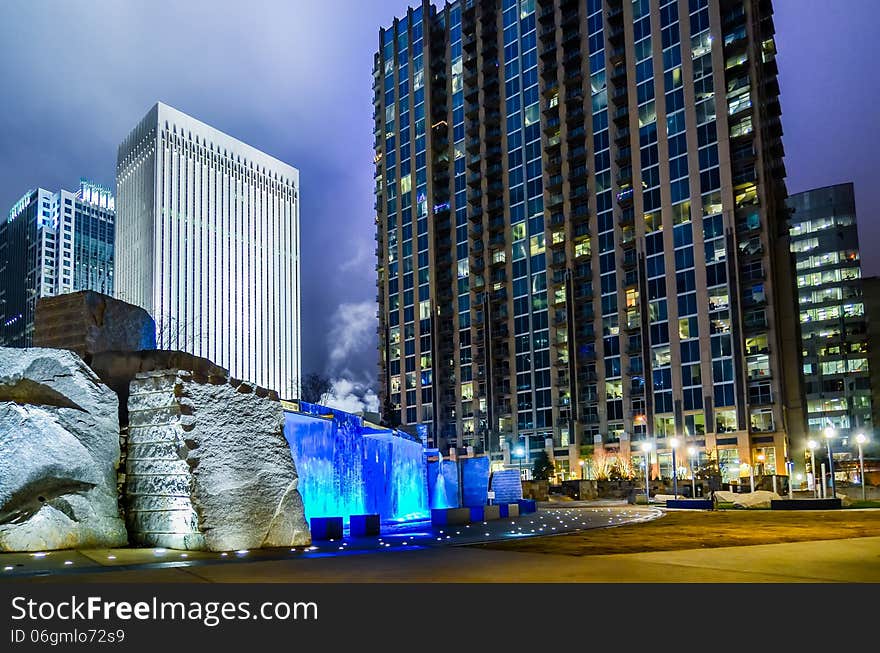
843,561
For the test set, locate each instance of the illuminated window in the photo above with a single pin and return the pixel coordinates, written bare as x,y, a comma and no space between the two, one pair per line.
725,421
532,114
632,298
653,222
614,389
664,426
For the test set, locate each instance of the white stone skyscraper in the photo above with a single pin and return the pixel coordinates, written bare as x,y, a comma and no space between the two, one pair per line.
208,243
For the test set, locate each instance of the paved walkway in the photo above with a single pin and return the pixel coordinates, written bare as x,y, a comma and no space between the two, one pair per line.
848,561
552,518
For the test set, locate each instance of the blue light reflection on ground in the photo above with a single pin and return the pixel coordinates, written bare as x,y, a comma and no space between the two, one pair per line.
394,538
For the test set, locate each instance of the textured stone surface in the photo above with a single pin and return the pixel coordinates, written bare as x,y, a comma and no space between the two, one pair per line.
757,499
59,448
208,466
507,485
88,322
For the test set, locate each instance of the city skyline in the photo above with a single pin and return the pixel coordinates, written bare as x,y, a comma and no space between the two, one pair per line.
53,143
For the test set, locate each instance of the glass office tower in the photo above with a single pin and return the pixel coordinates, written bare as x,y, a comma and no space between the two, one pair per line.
50,244
833,319
209,246
581,229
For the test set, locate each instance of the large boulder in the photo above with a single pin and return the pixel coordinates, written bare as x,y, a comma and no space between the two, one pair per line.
208,465
59,449
89,322
760,499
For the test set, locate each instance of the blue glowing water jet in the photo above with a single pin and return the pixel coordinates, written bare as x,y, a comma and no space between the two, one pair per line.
347,467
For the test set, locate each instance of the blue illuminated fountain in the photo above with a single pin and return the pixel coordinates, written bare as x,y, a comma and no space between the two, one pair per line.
349,468
439,495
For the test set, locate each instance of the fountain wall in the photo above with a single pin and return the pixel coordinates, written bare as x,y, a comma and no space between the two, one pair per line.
347,467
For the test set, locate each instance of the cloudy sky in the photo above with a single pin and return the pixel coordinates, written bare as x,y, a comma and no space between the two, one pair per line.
293,78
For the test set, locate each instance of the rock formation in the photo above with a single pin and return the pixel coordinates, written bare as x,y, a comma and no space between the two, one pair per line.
208,466
59,449
88,322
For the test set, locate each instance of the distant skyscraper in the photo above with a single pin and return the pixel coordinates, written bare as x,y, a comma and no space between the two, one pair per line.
208,237
871,296
833,319
581,228
53,243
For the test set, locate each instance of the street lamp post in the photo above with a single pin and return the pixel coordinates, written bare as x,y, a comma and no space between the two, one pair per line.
790,465
860,438
761,459
673,442
829,433
811,445
520,452
646,448
692,451
751,469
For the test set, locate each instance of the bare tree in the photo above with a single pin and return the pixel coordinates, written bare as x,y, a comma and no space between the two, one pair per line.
185,336
315,388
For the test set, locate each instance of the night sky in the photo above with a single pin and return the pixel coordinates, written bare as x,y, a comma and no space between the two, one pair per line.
293,78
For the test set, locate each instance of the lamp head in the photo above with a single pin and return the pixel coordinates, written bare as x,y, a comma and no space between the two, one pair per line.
829,432
673,442
646,446
812,444
761,457
692,451
519,451
861,439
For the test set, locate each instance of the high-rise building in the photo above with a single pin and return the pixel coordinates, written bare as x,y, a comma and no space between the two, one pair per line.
208,235
833,316
871,297
50,244
581,228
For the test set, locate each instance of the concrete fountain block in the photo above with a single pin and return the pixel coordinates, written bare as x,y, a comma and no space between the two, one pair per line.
363,525
491,513
326,528
527,506
508,510
450,516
